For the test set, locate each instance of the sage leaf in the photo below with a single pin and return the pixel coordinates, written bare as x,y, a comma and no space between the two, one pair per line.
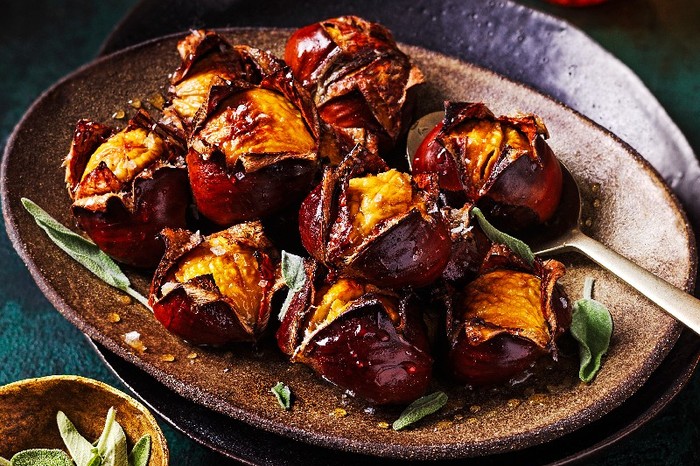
78,446
112,442
96,459
4,462
591,326
294,276
83,250
283,395
497,236
41,457
141,452
419,409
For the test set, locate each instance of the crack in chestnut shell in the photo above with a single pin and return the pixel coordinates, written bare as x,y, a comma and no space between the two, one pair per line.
523,187
363,85
196,310
362,350
259,184
410,249
504,353
469,246
126,221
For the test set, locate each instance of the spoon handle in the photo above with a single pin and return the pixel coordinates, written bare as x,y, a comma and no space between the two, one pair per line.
681,305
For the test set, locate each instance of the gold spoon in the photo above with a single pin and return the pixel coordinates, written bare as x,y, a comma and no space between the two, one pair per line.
564,234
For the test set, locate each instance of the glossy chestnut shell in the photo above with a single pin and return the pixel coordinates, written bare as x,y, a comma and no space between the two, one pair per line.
362,84
502,164
127,186
408,246
372,343
506,319
216,290
254,147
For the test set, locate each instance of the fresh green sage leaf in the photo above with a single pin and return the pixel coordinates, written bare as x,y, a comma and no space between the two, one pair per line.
78,446
283,395
41,457
419,409
82,250
591,326
294,277
96,459
141,452
112,442
4,462
497,236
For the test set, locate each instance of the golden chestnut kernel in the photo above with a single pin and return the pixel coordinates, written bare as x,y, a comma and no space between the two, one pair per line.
333,300
126,153
373,199
233,268
257,121
484,142
191,93
507,299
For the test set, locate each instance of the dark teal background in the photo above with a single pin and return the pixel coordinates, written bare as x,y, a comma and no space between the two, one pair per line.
41,41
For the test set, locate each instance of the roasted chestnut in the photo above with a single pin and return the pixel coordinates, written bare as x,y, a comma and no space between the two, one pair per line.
254,147
207,60
215,290
506,318
127,186
501,163
374,223
363,85
365,339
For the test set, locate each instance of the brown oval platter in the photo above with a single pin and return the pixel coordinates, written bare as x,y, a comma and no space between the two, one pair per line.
28,414
625,199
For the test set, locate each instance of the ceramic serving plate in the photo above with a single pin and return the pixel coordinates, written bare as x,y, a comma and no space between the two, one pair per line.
628,207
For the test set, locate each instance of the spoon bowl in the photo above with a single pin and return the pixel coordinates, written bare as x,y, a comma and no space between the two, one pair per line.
563,233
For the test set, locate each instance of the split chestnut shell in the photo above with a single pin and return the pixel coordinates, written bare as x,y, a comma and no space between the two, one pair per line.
207,59
502,164
499,324
362,338
127,186
255,143
362,84
375,223
216,290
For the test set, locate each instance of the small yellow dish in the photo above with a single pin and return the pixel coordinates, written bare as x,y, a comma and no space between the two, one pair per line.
28,414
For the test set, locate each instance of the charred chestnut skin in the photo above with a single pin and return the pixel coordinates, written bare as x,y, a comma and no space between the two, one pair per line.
363,85
520,189
197,310
481,352
125,217
256,184
377,348
410,249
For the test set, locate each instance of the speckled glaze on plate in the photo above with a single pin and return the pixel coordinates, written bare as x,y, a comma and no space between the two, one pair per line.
28,414
624,197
